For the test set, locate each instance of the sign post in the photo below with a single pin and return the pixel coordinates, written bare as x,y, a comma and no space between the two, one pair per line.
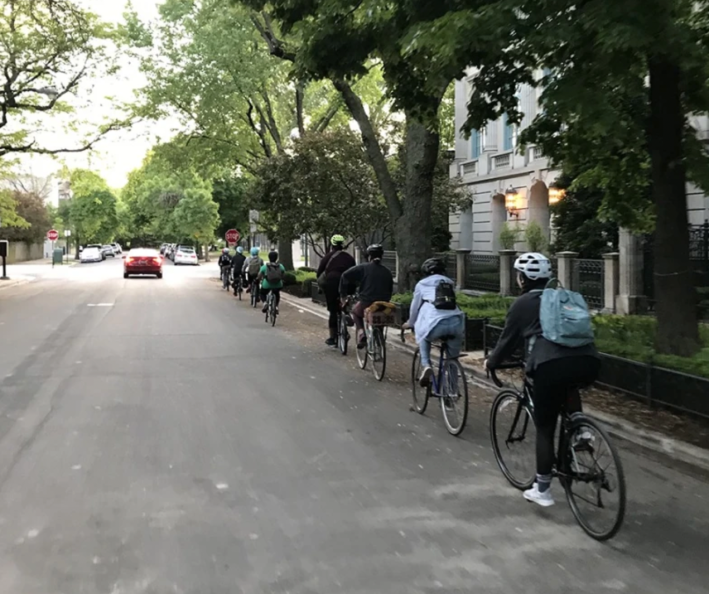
4,245
232,236
67,234
52,235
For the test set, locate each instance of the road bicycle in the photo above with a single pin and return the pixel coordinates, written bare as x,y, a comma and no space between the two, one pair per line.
587,463
344,323
238,285
448,384
225,277
376,318
254,293
271,309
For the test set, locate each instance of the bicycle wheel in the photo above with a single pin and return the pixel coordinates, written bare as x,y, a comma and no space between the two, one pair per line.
254,296
343,333
514,437
272,311
593,479
454,396
362,354
379,354
420,394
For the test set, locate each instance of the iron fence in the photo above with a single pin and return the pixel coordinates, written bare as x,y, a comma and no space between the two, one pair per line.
451,263
589,280
483,273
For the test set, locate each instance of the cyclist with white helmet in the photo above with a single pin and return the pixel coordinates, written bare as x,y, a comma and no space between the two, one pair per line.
335,262
557,370
252,268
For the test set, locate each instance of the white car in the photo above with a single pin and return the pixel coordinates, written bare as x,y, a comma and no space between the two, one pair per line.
185,255
91,254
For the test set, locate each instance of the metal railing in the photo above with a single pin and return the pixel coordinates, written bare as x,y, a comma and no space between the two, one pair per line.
483,273
589,280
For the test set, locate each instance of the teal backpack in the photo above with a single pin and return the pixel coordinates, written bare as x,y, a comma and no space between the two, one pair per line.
564,316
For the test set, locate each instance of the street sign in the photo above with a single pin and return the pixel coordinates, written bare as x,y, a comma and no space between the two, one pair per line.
232,236
52,235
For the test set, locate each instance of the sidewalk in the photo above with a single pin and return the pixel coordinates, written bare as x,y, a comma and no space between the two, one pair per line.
653,441
14,281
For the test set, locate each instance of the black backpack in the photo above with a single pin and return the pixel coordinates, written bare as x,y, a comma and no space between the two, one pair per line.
445,296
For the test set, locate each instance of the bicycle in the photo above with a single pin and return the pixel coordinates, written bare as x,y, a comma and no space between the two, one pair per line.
225,278
344,322
238,285
375,323
449,385
271,309
254,293
580,439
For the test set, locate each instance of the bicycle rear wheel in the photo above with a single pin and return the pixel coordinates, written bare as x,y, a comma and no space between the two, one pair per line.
420,394
343,333
593,479
514,437
454,396
362,354
254,295
379,354
272,311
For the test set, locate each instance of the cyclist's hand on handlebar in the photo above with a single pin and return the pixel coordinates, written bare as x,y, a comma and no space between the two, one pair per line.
406,326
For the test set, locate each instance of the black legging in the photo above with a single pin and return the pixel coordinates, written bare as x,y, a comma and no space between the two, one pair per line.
276,293
332,298
555,383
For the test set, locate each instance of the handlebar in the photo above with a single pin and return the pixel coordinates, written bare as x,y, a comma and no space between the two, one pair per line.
511,365
403,332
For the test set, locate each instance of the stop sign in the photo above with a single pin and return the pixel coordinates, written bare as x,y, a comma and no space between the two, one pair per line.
232,236
52,235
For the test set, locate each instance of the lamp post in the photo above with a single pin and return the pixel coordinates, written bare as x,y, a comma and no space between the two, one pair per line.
67,235
512,199
556,194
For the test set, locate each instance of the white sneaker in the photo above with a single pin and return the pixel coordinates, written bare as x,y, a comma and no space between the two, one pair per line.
535,496
425,378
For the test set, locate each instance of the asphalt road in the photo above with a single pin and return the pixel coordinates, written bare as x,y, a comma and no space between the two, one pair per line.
157,437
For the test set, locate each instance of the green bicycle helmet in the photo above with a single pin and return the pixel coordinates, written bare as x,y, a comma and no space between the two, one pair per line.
337,239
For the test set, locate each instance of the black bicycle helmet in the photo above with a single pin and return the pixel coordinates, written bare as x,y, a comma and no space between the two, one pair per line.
375,251
433,266
273,256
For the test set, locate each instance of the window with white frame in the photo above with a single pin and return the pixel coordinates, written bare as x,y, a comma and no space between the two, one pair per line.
508,134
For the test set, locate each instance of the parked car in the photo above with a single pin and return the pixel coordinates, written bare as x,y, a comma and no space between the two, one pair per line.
99,247
117,249
91,254
185,255
163,249
142,261
108,251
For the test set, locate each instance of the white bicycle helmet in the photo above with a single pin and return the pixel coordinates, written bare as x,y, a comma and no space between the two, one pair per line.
533,265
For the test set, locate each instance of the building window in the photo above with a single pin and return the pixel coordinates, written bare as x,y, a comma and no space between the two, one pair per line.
508,131
475,147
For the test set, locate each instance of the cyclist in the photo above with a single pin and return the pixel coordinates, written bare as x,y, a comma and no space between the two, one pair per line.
332,266
431,319
224,266
252,267
557,371
271,277
375,282
237,265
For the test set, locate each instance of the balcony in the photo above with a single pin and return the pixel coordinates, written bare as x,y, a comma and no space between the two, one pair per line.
503,161
469,168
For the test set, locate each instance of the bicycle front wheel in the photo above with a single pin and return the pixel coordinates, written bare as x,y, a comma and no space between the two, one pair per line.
420,394
343,333
514,438
454,396
379,354
272,312
362,354
593,478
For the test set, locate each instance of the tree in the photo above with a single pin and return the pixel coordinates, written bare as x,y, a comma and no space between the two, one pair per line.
598,56
196,214
30,207
91,211
8,212
337,40
230,194
49,48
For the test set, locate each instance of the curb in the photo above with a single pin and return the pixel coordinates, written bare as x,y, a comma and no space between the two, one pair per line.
616,427
13,283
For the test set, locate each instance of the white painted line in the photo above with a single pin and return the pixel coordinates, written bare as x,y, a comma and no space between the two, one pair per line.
100,304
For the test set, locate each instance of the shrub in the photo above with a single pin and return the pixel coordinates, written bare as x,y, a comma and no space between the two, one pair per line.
306,269
534,236
508,236
289,279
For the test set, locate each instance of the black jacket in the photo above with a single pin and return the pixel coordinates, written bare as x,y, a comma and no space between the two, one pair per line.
375,281
523,323
237,262
225,260
341,261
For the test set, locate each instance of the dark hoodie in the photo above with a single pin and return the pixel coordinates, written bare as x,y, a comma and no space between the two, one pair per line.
523,323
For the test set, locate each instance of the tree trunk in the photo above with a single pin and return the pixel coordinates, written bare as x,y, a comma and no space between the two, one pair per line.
285,253
206,253
413,227
677,321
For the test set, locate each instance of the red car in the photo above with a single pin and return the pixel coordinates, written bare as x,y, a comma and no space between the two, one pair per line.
142,261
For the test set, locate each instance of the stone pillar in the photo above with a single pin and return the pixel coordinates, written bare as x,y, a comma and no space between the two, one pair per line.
358,255
630,261
465,234
611,277
507,276
566,268
461,264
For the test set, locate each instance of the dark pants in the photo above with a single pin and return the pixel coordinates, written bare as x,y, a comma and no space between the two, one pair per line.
332,298
556,383
276,292
358,315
